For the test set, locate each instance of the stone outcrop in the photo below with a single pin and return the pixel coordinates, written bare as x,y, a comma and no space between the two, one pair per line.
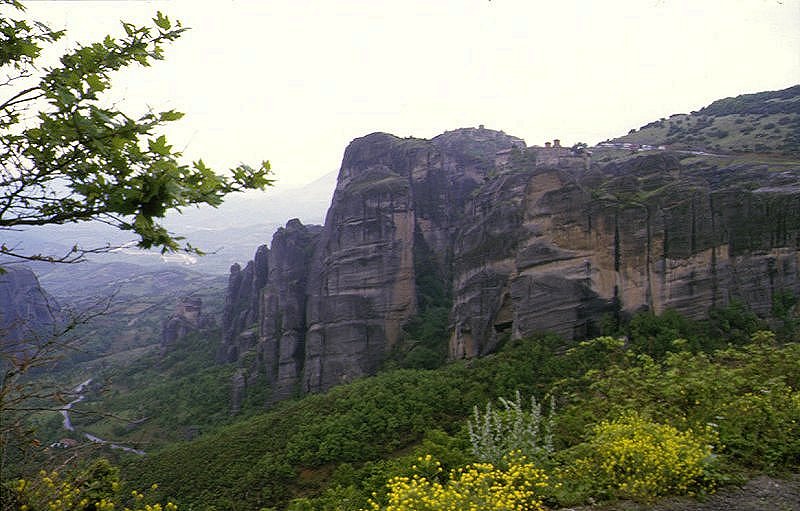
520,239
396,200
283,305
187,318
28,315
240,315
265,313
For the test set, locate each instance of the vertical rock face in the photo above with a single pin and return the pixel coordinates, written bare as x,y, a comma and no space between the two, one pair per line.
240,314
28,315
265,314
522,240
282,308
362,287
396,199
555,248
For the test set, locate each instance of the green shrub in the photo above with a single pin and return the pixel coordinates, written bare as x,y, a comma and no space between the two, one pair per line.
496,433
749,392
95,489
763,428
371,428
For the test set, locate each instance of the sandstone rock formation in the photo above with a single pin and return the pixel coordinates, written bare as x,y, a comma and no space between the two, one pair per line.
265,311
28,315
239,317
521,240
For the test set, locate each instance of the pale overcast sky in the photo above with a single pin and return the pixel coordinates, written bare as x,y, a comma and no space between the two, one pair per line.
293,81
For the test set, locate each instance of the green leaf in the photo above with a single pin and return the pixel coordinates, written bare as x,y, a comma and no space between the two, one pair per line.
170,115
162,21
95,82
159,146
112,163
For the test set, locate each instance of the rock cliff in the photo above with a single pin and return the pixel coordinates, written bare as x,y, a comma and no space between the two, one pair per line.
265,312
514,240
28,315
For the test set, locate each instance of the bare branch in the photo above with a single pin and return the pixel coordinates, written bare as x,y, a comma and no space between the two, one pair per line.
19,97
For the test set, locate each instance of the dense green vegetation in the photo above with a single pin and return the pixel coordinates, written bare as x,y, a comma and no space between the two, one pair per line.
97,488
656,385
160,397
157,398
732,385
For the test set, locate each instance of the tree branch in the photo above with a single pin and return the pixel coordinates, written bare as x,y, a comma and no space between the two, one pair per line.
14,99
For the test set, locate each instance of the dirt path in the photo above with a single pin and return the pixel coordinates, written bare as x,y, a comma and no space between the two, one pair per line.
760,494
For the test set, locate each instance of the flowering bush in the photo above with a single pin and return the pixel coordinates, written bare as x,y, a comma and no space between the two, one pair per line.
638,459
479,486
97,489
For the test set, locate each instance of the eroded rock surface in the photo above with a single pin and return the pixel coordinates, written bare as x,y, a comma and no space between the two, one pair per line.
521,240
28,315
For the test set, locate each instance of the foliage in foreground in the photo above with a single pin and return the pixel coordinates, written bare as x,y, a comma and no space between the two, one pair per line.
333,451
631,457
68,154
477,486
94,489
750,394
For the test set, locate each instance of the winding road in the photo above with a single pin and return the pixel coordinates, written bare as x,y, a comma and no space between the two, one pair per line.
79,392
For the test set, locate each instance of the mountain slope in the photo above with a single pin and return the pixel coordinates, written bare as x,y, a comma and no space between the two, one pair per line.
765,122
343,445
479,243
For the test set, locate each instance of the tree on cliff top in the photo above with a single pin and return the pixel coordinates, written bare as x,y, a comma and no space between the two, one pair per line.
67,156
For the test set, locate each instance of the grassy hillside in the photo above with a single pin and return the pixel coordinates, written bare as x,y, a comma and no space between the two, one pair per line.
767,122
290,450
332,451
335,450
159,397
142,399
